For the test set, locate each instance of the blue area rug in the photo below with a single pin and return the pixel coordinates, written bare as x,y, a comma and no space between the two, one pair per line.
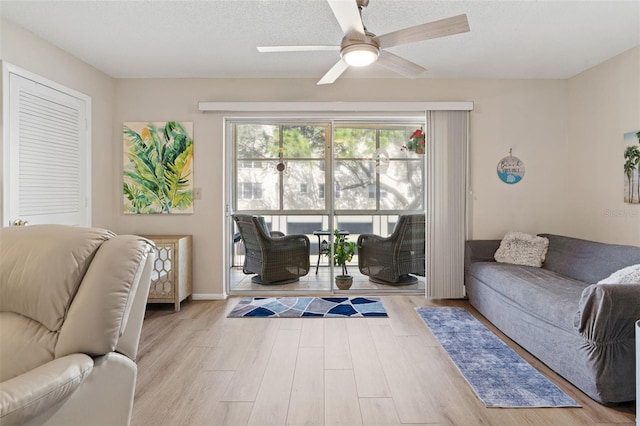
294,307
497,374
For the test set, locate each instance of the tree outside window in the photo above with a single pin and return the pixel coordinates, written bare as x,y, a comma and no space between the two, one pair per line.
289,161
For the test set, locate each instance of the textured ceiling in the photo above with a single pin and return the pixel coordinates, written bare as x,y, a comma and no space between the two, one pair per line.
218,38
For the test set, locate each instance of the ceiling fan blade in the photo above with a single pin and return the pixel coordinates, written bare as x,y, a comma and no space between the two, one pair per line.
318,48
348,16
333,74
444,27
399,65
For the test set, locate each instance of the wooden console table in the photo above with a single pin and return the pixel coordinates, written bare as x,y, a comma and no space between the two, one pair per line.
171,275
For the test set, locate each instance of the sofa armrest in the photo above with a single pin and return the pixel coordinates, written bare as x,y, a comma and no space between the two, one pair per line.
28,394
479,251
607,312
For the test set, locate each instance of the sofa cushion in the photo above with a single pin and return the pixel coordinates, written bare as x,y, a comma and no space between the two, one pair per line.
42,267
539,292
519,248
587,261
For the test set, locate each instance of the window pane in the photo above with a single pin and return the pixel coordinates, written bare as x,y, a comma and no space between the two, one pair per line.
303,141
356,225
257,185
354,178
250,191
354,142
302,147
401,186
304,185
392,141
257,141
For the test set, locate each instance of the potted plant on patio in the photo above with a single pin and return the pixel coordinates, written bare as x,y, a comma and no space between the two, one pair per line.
343,251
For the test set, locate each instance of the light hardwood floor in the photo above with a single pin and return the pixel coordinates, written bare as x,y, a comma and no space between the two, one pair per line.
198,367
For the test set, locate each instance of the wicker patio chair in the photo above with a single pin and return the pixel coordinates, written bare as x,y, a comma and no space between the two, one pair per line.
390,260
275,258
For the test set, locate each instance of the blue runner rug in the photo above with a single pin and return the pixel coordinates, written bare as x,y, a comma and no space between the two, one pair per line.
293,307
497,374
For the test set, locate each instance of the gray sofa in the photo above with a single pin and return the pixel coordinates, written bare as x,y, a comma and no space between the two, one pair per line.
580,329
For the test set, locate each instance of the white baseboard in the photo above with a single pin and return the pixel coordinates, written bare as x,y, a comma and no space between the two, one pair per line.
209,296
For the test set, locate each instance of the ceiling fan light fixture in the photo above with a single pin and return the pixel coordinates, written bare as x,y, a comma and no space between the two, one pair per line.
360,54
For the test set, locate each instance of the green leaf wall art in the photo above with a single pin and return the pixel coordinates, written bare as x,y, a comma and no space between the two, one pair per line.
158,168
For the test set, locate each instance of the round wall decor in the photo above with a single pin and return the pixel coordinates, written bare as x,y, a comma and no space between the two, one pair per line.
510,169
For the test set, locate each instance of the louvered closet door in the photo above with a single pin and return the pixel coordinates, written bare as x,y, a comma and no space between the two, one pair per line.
48,170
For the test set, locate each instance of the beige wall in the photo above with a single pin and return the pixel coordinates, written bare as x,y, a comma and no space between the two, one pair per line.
604,104
23,49
541,120
529,116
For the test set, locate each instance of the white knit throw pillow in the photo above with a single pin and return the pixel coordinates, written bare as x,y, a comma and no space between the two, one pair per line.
628,275
522,249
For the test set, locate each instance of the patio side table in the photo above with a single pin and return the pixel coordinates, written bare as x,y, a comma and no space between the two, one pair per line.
323,243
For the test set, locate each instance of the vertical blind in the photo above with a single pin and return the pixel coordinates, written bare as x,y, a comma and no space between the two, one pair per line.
446,209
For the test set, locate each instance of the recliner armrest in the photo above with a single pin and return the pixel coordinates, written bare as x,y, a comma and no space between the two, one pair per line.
130,337
28,394
97,317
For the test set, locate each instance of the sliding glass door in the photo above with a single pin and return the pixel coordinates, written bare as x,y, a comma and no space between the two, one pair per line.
312,177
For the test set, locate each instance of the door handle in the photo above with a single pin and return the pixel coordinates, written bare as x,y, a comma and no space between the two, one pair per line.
20,222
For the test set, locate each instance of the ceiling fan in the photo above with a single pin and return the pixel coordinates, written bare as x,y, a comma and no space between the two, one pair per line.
360,47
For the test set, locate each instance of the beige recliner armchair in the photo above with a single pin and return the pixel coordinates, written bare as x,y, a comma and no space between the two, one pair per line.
72,301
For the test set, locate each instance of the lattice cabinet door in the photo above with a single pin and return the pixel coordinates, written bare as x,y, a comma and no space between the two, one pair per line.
171,276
